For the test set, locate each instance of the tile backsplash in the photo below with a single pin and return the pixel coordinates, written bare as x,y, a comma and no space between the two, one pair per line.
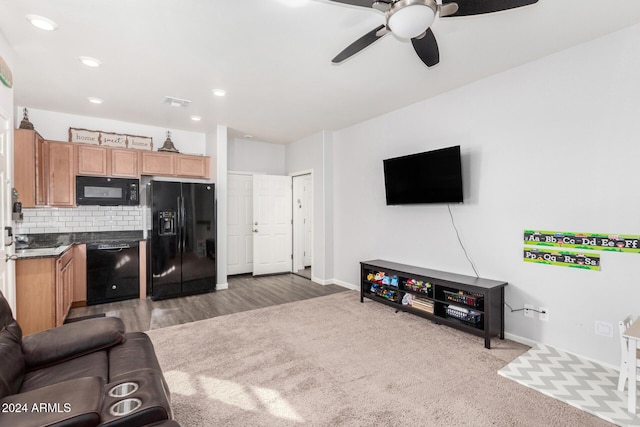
82,218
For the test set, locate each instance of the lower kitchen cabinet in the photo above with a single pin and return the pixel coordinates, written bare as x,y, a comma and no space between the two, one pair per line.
44,291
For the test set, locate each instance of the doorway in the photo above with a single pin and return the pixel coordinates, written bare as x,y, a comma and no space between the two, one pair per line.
282,237
302,225
259,224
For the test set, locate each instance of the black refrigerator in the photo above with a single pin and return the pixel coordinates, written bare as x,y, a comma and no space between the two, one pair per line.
182,244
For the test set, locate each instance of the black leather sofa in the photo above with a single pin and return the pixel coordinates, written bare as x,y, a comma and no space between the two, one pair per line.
69,376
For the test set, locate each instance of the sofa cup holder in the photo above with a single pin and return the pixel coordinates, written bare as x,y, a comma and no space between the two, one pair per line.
124,389
125,407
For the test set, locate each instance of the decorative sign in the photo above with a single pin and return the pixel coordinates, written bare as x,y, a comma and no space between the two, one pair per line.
6,77
110,139
588,261
113,139
140,142
84,136
592,241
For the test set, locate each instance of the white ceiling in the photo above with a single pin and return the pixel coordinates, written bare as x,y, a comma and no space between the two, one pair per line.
273,57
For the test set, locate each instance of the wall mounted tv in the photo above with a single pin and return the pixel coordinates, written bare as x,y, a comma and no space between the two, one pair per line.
429,177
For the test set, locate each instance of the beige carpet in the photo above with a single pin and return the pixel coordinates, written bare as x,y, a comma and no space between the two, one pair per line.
332,361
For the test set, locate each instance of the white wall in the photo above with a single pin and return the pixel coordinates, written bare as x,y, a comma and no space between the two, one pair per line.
310,154
6,94
6,110
255,156
551,145
55,126
218,144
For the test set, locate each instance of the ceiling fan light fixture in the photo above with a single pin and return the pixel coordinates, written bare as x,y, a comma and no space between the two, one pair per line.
410,18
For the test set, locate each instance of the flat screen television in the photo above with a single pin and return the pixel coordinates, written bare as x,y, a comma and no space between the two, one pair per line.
429,177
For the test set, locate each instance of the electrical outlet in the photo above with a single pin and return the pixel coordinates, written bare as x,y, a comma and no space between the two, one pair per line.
604,328
544,314
528,310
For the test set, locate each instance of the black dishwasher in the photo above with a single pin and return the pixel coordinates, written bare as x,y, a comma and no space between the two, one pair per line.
113,272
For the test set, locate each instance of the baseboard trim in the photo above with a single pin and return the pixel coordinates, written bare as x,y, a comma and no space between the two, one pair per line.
345,284
222,286
320,281
531,343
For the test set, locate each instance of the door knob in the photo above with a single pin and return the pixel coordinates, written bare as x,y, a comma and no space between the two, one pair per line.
255,230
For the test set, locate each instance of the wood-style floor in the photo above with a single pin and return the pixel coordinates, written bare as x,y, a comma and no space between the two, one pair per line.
245,293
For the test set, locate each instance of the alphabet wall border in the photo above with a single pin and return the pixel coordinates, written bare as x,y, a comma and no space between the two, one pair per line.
586,261
589,241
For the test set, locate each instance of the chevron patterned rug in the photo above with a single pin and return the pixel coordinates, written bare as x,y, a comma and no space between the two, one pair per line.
580,383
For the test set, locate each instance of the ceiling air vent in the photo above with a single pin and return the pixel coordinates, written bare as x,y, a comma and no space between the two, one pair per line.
176,102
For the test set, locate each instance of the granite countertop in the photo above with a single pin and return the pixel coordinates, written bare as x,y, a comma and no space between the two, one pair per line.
54,244
41,252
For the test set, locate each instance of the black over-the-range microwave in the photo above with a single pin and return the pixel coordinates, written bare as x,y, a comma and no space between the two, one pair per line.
102,191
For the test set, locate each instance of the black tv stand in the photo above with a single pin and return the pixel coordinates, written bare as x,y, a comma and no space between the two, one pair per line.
471,304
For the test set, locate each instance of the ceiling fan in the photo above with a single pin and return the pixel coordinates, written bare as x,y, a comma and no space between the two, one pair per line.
411,19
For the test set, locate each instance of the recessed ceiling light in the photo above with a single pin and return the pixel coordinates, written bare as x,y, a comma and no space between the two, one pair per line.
42,22
89,61
95,100
219,92
196,118
248,136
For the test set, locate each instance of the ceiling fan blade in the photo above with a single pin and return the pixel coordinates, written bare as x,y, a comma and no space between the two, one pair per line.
427,48
362,3
478,7
364,41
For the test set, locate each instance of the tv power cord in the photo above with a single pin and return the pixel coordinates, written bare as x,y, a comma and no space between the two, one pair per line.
523,309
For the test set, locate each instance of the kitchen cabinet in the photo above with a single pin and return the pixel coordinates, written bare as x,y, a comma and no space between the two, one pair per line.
62,183
79,294
91,160
124,163
154,163
105,161
192,166
174,164
64,285
29,160
44,291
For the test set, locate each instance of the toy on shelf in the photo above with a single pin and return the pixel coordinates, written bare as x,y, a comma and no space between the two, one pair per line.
418,286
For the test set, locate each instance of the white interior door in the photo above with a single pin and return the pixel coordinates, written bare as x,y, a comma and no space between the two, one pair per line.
308,209
299,207
7,284
272,218
239,220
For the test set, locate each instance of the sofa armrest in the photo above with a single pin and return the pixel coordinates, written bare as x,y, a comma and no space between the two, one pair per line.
71,340
75,403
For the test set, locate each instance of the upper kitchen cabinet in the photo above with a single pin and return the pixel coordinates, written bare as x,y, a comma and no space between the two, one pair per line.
172,164
192,166
29,165
92,160
62,183
106,161
154,163
124,163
